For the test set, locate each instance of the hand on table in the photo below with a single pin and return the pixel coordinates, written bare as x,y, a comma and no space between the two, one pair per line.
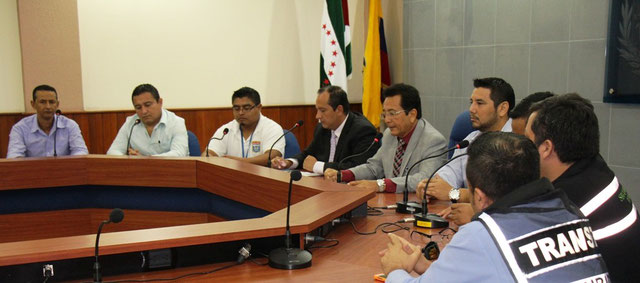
438,188
399,254
458,213
331,174
280,163
365,184
308,163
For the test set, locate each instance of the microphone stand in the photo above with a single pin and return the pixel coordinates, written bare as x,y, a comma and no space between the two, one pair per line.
131,132
55,134
115,217
375,140
431,220
297,124
405,206
224,133
288,257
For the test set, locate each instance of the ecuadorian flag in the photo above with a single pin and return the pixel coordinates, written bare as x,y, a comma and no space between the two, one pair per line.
376,74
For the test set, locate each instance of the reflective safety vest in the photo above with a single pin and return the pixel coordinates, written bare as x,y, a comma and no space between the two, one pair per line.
543,242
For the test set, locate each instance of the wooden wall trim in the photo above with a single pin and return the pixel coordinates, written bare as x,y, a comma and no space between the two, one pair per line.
100,128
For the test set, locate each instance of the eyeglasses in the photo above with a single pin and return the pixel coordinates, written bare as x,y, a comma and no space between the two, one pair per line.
245,108
432,249
392,113
444,235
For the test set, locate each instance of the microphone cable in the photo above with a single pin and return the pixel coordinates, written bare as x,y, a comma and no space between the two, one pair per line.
382,226
237,262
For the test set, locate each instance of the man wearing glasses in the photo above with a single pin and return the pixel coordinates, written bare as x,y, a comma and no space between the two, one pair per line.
407,139
250,134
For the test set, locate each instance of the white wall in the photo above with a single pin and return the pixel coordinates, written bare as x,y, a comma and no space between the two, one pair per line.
197,52
11,95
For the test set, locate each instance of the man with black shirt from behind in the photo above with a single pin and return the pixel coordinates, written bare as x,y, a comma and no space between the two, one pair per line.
565,130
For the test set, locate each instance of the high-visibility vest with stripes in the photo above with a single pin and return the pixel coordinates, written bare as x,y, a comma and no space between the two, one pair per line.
544,242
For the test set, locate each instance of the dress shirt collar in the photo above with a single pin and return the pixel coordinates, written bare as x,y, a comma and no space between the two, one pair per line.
35,127
407,138
338,131
507,126
164,119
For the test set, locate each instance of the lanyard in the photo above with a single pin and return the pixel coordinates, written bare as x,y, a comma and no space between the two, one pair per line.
242,143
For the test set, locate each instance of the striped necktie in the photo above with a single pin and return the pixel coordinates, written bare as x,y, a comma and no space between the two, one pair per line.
397,160
334,142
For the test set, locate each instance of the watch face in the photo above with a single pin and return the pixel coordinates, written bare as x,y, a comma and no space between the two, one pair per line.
454,194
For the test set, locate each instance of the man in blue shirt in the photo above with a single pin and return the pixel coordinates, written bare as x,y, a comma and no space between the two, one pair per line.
45,133
524,229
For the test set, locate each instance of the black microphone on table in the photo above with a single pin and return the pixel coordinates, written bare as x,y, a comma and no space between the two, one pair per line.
375,140
115,217
288,257
131,132
432,220
405,206
297,124
55,134
224,133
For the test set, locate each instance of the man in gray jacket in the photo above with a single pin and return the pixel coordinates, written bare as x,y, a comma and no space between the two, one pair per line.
407,139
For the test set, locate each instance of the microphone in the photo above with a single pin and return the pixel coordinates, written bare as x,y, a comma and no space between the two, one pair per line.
131,132
55,134
115,217
432,220
405,206
224,133
375,140
297,124
288,257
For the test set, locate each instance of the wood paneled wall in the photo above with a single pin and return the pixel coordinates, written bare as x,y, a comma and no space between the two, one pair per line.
100,128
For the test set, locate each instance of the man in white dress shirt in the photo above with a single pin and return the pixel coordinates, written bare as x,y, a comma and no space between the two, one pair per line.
250,135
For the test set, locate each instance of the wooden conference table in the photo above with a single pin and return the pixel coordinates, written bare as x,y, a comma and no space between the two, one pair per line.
315,202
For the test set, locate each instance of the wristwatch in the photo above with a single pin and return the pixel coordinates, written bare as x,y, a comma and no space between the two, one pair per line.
454,195
381,185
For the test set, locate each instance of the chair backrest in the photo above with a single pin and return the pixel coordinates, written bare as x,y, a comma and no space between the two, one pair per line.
194,144
292,147
461,129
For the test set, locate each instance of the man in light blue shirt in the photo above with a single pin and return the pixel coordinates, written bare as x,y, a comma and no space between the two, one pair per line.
490,103
45,133
152,131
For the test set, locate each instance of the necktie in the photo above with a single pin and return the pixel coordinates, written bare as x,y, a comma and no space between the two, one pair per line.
397,160
334,142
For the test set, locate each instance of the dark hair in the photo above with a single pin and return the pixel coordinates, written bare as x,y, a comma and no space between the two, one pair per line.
569,122
522,108
410,97
252,94
146,88
44,88
337,96
500,90
500,162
